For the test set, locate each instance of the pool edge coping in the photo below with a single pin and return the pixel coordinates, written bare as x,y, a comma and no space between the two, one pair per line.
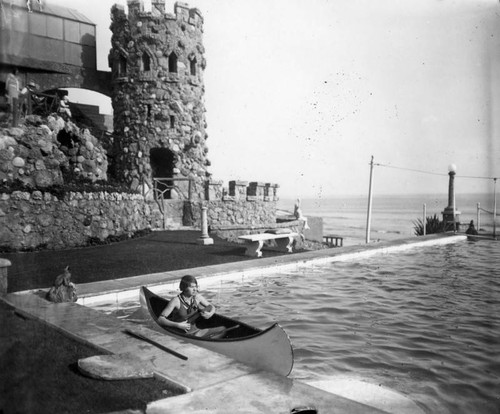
120,289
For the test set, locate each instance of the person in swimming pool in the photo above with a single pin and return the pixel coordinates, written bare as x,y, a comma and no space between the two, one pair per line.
471,231
181,310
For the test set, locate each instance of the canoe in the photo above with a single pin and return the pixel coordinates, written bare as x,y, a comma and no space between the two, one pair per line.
267,349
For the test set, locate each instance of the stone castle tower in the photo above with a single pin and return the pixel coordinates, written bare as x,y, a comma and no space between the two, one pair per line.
157,62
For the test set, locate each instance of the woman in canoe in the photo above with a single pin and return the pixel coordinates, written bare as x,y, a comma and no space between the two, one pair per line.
183,310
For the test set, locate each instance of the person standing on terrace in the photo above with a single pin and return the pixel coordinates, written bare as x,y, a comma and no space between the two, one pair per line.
12,87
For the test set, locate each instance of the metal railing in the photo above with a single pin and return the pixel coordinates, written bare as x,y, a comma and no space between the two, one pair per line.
162,190
38,103
163,186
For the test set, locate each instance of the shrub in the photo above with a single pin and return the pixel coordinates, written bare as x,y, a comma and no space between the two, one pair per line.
77,186
91,241
432,225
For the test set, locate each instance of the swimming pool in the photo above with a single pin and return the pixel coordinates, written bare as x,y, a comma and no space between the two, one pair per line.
425,322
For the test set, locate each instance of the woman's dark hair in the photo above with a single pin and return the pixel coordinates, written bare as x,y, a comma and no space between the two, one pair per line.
186,281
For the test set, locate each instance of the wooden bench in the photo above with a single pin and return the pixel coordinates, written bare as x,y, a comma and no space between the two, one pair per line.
334,240
256,241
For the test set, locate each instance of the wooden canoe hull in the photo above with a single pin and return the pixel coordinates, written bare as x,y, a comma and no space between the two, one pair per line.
269,349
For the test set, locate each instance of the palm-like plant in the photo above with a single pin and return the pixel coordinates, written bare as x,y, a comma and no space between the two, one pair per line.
432,225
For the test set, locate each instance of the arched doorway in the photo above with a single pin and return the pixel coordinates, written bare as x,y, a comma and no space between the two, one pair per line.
162,168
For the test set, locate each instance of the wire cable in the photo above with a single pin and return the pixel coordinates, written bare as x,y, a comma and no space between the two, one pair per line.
432,173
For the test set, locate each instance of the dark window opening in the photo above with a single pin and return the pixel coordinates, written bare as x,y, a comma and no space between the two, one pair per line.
146,62
150,107
172,63
192,66
162,167
172,122
65,138
122,66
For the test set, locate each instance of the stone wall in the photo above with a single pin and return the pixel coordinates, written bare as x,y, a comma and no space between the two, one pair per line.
31,154
157,62
31,220
36,153
40,219
243,214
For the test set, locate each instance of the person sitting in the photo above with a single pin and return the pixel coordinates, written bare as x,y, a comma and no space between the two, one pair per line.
30,98
183,310
471,230
297,212
64,110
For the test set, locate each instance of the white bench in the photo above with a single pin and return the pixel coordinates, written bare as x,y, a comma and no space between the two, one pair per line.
256,241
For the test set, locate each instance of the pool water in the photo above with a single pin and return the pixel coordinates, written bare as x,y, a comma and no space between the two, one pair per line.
425,322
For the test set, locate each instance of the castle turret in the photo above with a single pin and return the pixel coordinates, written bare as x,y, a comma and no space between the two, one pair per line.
157,62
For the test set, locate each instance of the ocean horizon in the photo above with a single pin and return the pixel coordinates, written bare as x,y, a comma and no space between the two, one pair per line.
393,216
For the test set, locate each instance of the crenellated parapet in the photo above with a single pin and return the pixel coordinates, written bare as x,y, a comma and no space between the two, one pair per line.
239,190
157,62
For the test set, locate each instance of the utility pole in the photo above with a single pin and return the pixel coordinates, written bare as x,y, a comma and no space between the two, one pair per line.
494,208
369,214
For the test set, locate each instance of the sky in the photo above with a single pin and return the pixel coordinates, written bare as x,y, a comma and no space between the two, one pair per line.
303,93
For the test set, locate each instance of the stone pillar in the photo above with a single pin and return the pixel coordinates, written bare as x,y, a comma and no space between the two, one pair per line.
268,192
159,5
255,191
238,189
213,190
274,192
205,238
451,216
4,264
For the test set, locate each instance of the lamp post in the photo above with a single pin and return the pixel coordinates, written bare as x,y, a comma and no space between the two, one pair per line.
450,214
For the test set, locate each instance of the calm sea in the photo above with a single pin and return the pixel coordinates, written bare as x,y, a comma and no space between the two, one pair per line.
392,216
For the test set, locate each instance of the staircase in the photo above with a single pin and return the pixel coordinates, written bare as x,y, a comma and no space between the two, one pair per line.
173,212
90,116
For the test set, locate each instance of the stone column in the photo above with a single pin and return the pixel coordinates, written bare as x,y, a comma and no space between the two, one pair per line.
238,189
205,238
4,264
450,213
213,190
275,192
255,191
268,192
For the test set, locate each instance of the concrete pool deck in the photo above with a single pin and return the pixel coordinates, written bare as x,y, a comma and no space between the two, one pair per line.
212,382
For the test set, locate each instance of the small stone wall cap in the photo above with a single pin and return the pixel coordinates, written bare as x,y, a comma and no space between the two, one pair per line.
181,4
197,11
